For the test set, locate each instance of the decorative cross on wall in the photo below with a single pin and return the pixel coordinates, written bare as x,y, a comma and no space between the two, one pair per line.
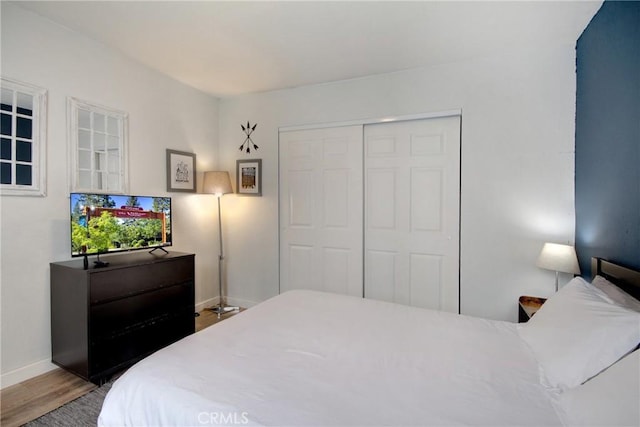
248,142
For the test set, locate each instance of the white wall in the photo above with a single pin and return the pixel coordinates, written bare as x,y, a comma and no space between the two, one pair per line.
35,230
517,166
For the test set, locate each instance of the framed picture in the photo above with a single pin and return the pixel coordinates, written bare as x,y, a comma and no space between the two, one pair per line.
181,171
249,177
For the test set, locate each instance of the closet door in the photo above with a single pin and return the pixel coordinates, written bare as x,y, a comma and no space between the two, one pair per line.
321,219
412,212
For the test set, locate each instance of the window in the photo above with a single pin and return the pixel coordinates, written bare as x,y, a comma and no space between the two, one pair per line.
23,118
98,141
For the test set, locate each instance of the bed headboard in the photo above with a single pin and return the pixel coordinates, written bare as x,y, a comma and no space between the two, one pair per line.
624,277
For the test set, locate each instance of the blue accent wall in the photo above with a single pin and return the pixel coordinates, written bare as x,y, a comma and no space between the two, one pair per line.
607,185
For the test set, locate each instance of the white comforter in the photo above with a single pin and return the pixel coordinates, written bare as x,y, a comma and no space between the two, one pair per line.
310,358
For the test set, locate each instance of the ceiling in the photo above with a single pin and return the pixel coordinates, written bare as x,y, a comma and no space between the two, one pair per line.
227,48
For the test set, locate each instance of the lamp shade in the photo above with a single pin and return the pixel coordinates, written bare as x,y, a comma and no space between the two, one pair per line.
560,258
217,182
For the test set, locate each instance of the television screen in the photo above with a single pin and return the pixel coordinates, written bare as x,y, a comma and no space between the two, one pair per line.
105,223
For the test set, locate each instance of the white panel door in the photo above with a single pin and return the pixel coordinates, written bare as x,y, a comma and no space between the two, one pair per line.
321,219
412,212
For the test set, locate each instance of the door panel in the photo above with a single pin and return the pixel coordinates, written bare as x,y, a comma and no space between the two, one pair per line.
321,220
300,207
426,199
412,193
425,280
381,209
381,275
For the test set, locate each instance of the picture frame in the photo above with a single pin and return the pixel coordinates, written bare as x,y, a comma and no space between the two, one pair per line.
249,177
181,171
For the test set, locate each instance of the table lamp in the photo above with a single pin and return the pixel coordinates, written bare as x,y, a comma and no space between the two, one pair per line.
558,258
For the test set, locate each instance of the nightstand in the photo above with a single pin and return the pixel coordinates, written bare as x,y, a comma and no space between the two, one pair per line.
527,307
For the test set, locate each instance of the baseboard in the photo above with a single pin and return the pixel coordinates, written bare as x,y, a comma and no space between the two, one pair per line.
207,303
239,302
26,372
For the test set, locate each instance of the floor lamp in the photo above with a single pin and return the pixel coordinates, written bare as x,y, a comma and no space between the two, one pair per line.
219,183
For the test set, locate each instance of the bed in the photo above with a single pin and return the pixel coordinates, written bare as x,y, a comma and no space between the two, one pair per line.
311,358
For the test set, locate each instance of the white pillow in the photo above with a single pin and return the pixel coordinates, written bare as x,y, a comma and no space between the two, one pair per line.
577,333
612,398
615,294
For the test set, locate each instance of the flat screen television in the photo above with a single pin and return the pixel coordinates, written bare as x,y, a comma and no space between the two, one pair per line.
108,223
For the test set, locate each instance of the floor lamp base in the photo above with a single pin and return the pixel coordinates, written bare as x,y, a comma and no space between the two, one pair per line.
223,309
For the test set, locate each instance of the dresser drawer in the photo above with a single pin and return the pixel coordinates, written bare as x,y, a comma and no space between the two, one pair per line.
127,348
117,315
127,281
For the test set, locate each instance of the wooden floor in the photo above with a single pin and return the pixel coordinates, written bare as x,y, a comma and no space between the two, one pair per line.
35,397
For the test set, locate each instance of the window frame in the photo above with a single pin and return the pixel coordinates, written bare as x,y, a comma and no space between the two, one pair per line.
74,105
38,187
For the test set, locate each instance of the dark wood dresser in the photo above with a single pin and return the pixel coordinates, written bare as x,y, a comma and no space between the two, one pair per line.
105,319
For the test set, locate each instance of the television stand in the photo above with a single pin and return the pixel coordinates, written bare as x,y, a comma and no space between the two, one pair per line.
159,248
106,319
100,264
97,263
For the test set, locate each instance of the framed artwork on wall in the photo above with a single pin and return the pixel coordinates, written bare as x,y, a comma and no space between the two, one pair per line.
249,177
181,171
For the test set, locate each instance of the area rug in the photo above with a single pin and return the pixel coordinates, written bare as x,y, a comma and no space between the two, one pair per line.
80,412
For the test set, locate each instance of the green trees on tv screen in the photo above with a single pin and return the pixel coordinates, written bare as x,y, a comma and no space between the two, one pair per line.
106,232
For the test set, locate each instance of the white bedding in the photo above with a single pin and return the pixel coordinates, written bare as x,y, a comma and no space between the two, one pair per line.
310,358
